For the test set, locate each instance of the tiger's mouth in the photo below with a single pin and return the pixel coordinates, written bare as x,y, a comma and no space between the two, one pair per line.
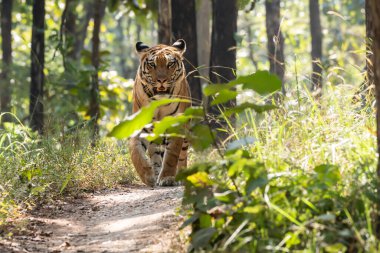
161,91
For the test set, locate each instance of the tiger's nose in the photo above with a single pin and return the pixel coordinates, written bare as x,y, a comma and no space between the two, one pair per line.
161,80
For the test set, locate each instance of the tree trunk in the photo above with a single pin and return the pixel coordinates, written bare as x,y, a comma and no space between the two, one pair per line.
184,27
69,28
223,52
5,85
375,12
81,29
275,39
94,111
36,108
121,47
316,44
164,22
203,35
369,43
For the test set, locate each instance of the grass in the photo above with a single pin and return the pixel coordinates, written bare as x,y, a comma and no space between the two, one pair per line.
306,132
313,175
34,169
313,170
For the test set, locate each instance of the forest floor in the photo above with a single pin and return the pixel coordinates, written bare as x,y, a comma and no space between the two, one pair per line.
126,219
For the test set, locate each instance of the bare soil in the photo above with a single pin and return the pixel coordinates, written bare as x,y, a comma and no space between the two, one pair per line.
128,219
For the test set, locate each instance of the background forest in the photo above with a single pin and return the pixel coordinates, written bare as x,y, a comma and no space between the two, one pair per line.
295,168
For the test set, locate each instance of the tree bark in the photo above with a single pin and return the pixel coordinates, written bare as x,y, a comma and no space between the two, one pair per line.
81,29
36,108
94,110
316,44
122,49
203,35
375,12
70,28
275,39
184,27
369,44
5,85
164,22
223,52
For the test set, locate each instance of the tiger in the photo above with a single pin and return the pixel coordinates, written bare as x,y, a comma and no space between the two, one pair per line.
161,74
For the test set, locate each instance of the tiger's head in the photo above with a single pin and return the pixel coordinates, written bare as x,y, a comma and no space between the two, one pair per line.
161,66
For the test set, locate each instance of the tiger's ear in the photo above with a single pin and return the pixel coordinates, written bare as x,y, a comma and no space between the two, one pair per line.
141,47
180,45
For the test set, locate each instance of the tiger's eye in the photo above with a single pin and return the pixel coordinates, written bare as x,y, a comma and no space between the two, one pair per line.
151,64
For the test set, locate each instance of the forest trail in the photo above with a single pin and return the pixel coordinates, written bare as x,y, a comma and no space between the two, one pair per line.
128,219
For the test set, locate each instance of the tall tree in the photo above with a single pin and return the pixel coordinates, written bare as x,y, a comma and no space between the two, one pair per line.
203,34
36,108
275,39
369,43
375,12
223,49
164,22
184,27
6,46
316,44
74,27
94,110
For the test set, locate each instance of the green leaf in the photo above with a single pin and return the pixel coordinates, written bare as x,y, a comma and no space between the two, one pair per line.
169,122
190,220
328,174
201,137
335,248
224,96
200,179
205,221
226,197
253,209
261,82
246,105
252,184
140,119
212,89
202,237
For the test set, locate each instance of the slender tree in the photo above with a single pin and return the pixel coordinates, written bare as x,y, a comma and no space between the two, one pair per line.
6,46
316,44
375,12
369,43
94,110
81,28
164,22
184,27
223,50
203,34
275,39
36,108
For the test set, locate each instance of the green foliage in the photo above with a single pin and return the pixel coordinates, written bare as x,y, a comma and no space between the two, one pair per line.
253,198
34,169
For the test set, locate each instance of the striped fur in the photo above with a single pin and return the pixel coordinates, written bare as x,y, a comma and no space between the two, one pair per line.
161,74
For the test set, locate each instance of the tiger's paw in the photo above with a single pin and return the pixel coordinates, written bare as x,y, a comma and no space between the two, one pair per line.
149,178
167,181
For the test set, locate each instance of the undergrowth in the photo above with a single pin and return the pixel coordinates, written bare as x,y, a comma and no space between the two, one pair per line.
300,178
38,169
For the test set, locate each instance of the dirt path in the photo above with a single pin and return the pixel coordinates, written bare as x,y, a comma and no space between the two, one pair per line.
131,219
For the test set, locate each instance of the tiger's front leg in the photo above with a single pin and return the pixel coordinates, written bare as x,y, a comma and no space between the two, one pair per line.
138,147
170,162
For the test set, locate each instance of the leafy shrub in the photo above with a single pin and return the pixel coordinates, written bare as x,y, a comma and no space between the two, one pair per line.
252,198
36,168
